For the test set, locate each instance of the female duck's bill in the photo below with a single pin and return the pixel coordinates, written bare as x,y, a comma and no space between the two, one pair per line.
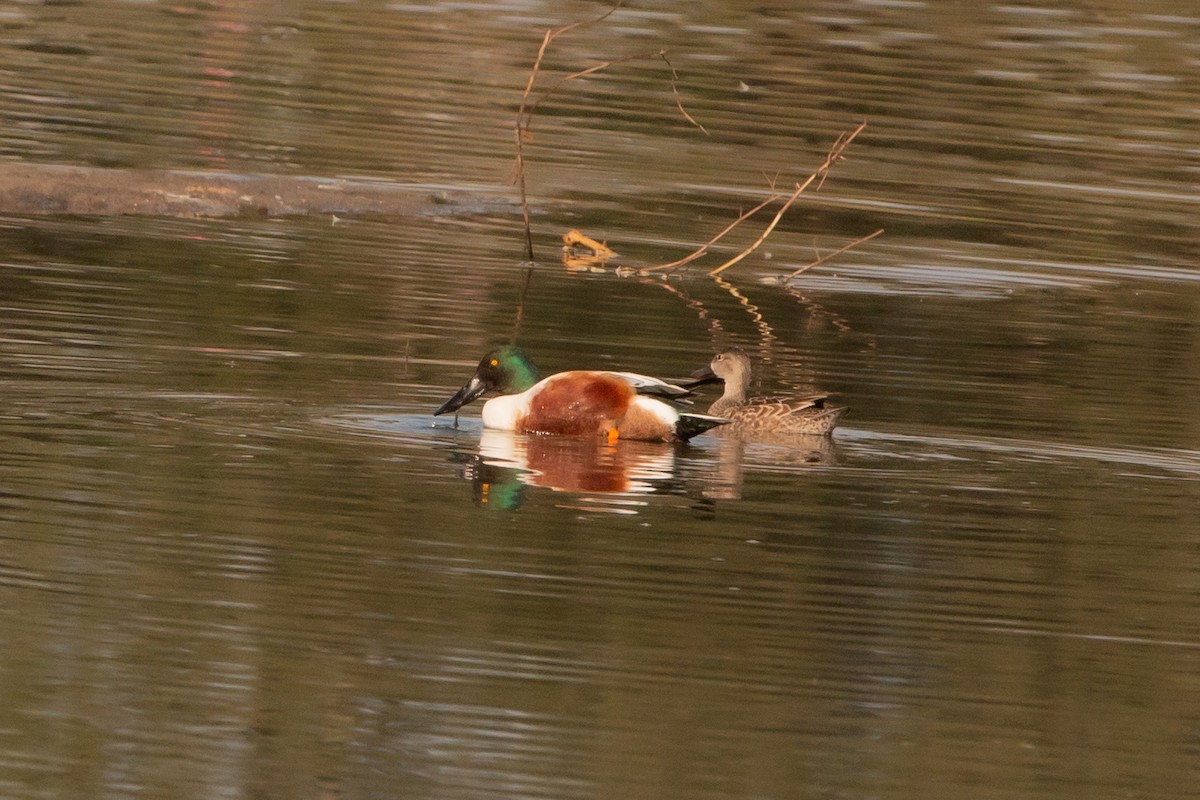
574,403
777,415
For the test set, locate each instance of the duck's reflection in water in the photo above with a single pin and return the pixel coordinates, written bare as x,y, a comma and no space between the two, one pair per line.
608,477
617,477
736,452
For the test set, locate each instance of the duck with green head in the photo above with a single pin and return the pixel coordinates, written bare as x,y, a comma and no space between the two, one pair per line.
615,405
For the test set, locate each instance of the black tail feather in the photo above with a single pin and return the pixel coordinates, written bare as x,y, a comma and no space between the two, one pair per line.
690,425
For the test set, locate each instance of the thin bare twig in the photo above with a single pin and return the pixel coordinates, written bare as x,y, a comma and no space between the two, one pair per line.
827,256
525,111
550,36
675,90
521,129
528,122
834,155
702,250
521,303
763,236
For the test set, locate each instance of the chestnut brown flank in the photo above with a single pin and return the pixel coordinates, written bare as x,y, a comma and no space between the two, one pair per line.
643,425
576,403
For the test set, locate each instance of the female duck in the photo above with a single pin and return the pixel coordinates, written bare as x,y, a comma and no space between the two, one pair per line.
615,405
804,415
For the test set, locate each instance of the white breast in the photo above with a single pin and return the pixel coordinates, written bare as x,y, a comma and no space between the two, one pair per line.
503,412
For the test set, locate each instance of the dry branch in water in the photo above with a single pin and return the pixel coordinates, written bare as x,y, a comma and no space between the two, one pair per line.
582,252
834,155
822,259
526,109
522,134
521,130
675,91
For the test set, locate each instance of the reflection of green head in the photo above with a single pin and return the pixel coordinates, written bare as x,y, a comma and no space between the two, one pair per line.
504,492
507,369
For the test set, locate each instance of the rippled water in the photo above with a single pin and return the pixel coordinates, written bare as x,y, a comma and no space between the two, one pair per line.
241,559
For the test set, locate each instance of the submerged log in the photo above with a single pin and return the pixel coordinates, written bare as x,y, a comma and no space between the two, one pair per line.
53,189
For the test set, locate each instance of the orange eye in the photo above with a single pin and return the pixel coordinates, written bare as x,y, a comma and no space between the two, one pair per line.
495,363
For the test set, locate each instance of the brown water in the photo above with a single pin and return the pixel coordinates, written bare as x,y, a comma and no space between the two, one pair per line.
240,559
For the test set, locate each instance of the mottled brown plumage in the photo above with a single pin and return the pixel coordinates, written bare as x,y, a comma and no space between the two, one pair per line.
800,415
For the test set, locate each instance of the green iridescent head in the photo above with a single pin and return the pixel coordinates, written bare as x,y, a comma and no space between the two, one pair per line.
505,370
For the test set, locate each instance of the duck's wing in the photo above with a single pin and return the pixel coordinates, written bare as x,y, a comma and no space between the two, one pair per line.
792,405
655,387
799,415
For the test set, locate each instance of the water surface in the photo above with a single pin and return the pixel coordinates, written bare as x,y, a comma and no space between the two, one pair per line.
242,560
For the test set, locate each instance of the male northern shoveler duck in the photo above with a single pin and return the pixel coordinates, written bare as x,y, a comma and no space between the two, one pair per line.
615,405
808,415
